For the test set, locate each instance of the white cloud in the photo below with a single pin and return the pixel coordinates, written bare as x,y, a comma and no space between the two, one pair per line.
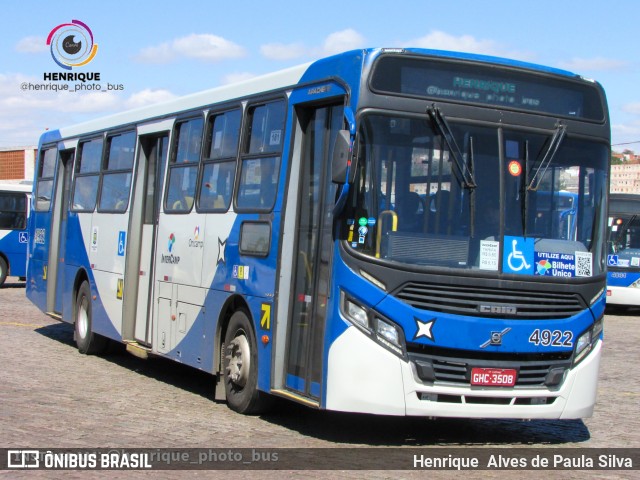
32,45
26,114
210,48
633,108
342,41
148,97
158,54
593,64
439,40
281,51
623,134
336,42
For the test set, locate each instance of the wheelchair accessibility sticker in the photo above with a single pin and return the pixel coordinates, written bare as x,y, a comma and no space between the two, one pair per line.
518,255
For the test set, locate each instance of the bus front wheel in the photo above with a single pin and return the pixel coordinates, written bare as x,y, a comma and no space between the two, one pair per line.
241,367
88,342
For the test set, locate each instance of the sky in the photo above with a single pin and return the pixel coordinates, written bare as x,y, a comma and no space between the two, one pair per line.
152,51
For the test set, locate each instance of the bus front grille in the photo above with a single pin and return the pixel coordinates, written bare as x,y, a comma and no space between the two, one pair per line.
453,367
490,302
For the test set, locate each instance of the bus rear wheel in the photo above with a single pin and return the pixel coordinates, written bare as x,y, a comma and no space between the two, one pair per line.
88,342
4,270
241,368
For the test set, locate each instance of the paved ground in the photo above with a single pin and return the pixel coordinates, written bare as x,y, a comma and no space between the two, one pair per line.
53,397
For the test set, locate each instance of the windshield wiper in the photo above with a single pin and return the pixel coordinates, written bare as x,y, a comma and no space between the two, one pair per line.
466,176
556,140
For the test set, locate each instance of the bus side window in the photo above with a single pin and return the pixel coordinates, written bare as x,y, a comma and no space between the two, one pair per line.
116,178
87,176
258,183
260,165
183,169
13,208
218,172
44,185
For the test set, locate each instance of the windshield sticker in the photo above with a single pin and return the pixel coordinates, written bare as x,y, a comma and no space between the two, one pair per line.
584,264
564,264
489,255
518,255
362,234
618,261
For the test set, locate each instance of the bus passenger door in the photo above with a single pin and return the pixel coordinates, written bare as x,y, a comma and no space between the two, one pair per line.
57,248
139,270
312,251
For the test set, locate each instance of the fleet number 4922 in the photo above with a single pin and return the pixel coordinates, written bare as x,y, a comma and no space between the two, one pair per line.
551,338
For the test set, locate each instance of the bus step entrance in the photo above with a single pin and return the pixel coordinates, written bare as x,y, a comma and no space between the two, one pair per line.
140,351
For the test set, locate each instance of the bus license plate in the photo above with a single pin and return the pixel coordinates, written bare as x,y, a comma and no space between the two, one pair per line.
493,377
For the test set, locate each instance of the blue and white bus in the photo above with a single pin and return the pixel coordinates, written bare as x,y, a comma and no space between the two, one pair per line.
623,277
275,233
14,212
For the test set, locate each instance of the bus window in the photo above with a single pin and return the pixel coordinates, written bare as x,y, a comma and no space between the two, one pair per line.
266,130
44,186
116,179
223,133
217,186
258,183
85,186
183,171
260,168
13,211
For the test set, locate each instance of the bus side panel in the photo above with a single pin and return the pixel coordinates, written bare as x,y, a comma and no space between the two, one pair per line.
619,289
76,256
38,252
253,277
13,246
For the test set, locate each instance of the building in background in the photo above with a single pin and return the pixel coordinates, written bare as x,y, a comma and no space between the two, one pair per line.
625,172
17,163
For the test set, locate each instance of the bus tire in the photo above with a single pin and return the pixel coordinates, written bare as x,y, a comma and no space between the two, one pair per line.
4,270
88,342
241,367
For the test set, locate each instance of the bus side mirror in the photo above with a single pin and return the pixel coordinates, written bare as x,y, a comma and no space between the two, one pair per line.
340,160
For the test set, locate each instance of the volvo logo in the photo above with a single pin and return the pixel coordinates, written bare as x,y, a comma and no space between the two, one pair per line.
497,309
496,338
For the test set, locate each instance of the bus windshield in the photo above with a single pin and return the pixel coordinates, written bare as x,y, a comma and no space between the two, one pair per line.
624,241
491,198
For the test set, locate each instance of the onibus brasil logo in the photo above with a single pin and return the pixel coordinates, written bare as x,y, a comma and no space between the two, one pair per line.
72,44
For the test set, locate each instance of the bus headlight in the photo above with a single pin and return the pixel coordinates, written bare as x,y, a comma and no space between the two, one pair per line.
582,345
587,340
635,284
389,335
355,313
382,331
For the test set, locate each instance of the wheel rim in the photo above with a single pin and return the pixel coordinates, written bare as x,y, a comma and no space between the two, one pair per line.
82,319
239,360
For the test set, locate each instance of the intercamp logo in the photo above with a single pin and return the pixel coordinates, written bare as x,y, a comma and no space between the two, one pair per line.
72,44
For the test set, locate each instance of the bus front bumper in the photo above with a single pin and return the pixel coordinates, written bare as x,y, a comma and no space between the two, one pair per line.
364,377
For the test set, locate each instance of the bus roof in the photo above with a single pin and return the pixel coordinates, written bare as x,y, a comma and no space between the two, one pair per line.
624,203
19,186
269,82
